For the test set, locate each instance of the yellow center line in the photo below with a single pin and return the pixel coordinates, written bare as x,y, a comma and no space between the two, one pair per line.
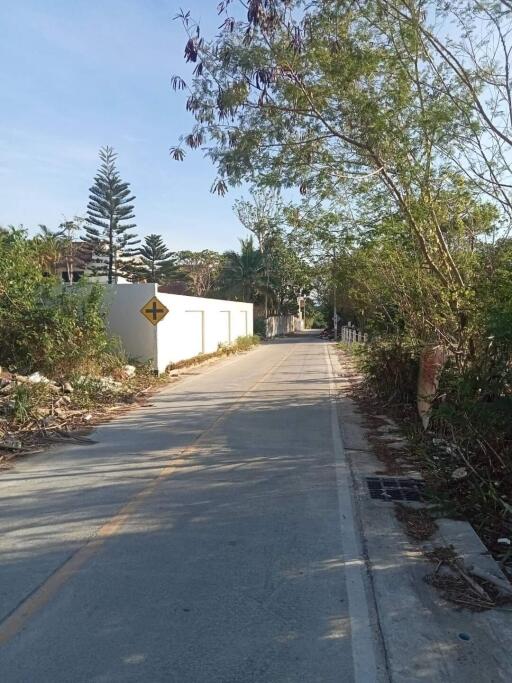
28,608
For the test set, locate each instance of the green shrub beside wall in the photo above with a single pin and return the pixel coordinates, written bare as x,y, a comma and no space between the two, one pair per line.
44,326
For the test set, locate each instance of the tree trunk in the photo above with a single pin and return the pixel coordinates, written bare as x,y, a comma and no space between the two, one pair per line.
110,253
432,362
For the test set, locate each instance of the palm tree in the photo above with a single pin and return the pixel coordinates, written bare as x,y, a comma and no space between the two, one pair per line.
49,248
71,249
262,217
243,276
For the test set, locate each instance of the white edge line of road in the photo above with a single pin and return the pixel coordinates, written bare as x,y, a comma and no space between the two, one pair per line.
362,633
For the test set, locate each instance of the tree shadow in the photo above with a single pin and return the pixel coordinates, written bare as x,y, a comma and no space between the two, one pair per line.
232,569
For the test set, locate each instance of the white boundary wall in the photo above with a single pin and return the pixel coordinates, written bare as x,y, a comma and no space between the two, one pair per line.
193,325
277,325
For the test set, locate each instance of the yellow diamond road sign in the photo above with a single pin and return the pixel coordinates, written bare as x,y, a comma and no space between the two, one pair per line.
154,310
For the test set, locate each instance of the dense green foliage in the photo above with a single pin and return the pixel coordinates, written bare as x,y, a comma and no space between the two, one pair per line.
392,119
270,274
374,114
242,275
44,326
155,262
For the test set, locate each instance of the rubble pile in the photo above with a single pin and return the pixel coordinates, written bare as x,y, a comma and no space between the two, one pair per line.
35,410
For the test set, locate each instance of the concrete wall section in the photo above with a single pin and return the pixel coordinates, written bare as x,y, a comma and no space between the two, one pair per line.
125,321
224,321
278,325
193,325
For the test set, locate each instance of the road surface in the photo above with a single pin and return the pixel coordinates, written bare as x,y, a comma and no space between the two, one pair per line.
208,537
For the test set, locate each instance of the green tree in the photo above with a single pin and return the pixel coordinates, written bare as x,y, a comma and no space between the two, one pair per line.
289,275
72,250
471,61
49,249
199,269
155,259
242,276
399,112
262,217
106,230
339,109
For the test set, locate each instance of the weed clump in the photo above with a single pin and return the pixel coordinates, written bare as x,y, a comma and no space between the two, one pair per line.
240,345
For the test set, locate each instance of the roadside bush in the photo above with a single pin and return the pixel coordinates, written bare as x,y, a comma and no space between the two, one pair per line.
27,399
391,367
260,327
73,336
247,342
47,327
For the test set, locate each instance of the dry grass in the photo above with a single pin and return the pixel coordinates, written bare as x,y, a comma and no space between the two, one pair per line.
418,522
459,586
238,346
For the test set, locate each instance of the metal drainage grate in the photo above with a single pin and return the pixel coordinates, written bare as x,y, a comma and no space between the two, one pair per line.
391,488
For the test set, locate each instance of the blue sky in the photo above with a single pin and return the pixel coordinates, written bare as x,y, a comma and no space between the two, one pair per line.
78,75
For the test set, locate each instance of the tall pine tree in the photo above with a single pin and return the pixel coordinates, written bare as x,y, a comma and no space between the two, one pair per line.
155,259
106,231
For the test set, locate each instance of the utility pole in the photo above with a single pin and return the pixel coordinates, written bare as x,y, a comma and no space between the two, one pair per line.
301,303
334,312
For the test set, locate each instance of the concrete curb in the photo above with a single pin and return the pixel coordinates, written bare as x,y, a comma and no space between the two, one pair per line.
468,546
425,638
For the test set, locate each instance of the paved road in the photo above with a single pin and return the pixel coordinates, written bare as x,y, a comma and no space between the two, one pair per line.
205,538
